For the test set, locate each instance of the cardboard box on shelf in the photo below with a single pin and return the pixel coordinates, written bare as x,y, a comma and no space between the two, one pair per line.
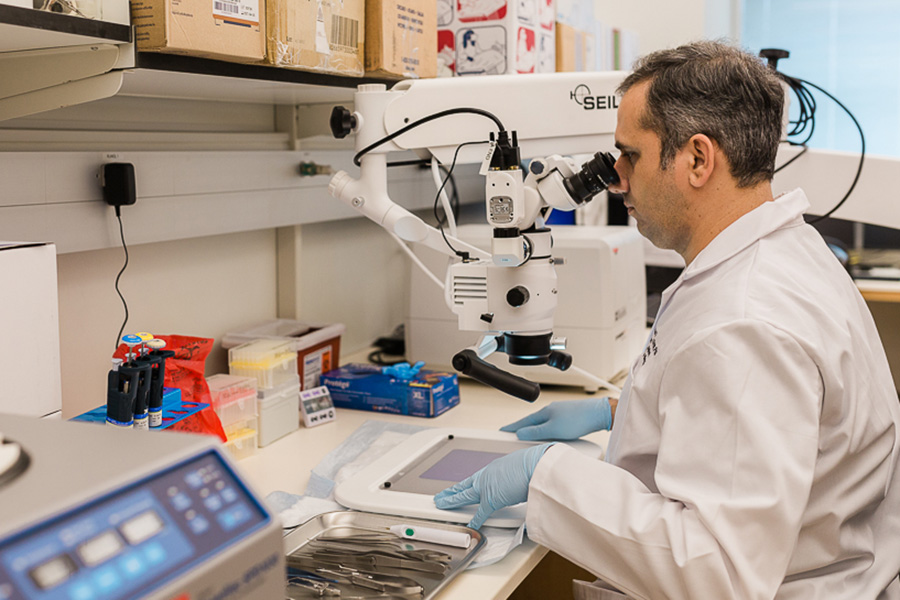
401,38
492,37
325,36
575,49
231,30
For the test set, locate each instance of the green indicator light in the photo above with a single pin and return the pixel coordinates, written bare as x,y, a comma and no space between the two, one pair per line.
410,531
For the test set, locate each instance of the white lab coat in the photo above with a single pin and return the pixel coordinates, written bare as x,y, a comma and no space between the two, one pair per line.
755,448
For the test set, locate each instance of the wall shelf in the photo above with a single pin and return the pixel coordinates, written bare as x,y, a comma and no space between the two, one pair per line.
30,29
174,76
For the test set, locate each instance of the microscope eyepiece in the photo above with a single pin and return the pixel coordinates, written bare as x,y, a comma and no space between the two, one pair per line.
595,176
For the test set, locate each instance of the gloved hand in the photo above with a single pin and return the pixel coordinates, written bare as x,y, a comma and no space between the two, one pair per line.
503,482
564,420
403,370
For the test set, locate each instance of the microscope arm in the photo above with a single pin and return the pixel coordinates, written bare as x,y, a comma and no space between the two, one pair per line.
507,295
369,196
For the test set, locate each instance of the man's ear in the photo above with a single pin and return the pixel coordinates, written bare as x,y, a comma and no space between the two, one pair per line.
701,154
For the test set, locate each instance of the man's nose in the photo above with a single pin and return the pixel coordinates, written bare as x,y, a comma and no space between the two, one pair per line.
622,186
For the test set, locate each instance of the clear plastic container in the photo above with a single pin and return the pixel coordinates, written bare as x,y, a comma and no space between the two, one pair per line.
304,335
271,362
318,346
225,389
234,429
242,444
233,398
279,411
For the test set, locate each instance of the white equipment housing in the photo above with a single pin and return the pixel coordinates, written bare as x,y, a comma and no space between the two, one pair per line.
601,312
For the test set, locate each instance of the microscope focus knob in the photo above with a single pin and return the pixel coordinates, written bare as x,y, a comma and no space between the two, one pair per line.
517,296
342,122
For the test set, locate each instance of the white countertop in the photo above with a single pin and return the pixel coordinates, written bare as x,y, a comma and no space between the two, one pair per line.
285,465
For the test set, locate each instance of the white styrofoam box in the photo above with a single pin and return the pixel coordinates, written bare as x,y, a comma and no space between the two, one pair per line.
29,329
493,37
602,306
278,411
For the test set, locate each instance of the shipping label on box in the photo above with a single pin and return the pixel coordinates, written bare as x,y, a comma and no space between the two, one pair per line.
316,35
365,387
492,37
231,30
401,38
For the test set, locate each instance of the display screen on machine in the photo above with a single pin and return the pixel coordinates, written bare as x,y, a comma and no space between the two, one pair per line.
449,462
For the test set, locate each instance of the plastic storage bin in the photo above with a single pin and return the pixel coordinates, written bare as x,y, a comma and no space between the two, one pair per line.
234,429
318,346
233,398
279,411
242,444
272,362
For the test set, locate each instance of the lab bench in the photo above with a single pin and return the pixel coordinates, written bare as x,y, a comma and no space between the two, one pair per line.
879,290
285,466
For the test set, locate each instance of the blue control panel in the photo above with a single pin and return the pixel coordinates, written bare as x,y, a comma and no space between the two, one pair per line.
133,539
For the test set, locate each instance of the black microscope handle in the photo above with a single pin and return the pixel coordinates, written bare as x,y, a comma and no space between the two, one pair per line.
468,363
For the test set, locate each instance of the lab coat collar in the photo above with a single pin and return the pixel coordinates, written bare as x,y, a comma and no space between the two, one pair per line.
785,211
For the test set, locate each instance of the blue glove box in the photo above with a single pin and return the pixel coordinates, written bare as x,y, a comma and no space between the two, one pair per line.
365,387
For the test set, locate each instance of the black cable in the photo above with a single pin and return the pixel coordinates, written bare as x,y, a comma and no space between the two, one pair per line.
377,357
463,255
415,162
454,196
862,151
125,304
795,157
422,121
806,103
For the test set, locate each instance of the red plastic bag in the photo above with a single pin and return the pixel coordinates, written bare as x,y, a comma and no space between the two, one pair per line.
186,371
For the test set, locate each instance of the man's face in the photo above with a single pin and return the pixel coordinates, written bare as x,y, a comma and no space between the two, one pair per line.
651,194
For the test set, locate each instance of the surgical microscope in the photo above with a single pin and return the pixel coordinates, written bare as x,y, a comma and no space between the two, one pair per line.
508,295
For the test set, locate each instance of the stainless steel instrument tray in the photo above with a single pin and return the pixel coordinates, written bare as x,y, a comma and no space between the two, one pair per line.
341,524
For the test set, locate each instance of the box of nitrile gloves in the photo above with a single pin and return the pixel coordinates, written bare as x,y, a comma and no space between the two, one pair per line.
365,387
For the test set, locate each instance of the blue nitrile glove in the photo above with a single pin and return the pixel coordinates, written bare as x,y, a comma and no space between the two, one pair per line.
503,482
564,420
403,370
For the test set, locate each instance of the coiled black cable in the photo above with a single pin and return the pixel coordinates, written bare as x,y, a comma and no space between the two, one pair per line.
806,103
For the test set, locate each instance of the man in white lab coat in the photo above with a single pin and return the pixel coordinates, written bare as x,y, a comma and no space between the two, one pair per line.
755,446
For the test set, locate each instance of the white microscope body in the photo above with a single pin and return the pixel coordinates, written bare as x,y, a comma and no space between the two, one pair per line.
508,295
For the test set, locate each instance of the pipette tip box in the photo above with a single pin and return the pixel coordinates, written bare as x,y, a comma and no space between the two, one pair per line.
318,346
365,387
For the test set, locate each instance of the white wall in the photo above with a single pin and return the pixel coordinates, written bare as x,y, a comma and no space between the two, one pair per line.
202,287
348,272
664,23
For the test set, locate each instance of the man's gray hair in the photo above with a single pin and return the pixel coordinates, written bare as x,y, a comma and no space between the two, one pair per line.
718,90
